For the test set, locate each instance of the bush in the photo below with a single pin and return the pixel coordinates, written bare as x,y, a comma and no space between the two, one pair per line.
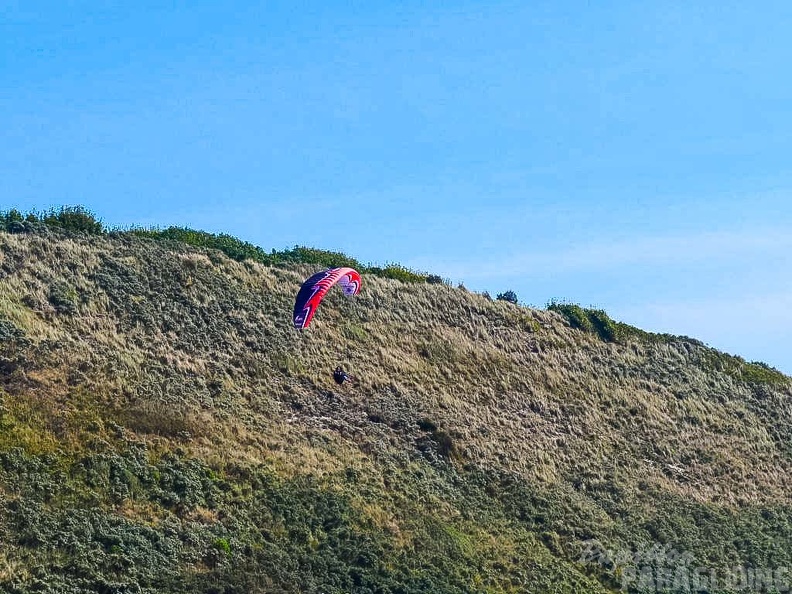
509,296
68,218
73,218
426,425
603,326
574,314
222,545
398,272
63,298
434,279
10,218
762,373
306,255
9,331
232,247
79,219
445,444
593,321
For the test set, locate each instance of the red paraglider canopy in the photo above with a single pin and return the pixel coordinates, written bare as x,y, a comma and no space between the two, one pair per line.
313,291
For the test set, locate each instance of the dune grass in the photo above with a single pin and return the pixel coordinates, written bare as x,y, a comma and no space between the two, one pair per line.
166,429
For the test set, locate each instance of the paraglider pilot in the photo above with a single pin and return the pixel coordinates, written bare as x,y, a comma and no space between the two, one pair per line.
340,376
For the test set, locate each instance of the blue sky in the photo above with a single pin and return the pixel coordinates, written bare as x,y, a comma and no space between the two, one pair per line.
633,156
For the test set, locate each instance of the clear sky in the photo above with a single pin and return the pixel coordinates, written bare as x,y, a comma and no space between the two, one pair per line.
633,156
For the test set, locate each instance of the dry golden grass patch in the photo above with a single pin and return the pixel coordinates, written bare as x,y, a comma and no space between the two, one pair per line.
513,388
12,568
151,514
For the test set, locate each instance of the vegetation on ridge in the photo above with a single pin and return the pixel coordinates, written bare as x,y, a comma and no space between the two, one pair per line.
163,428
80,220
596,321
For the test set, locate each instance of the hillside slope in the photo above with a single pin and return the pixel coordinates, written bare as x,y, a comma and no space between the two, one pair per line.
164,428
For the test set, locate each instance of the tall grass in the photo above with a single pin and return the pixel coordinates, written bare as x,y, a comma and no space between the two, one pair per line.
165,428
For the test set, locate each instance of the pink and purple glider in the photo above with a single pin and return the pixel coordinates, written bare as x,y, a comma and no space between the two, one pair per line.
314,289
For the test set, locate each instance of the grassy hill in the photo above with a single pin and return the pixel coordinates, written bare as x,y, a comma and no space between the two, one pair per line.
164,428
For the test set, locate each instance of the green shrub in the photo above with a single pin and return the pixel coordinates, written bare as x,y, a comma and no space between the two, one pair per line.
222,545
754,372
574,314
397,272
10,218
434,279
445,444
68,218
426,425
593,321
603,326
232,247
72,218
762,373
63,298
306,255
9,331
509,296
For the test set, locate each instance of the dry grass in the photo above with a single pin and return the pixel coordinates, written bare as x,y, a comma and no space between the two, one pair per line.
214,358
479,429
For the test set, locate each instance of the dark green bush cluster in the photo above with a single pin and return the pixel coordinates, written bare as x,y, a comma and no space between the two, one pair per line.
762,373
14,221
63,298
67,218
597,321
434,279
594,321
509,296
73,218
9,331
241,250
77,218
575,315
264,533
270,534
604,327
396,272
232,247
427,425
754,372
58,522
306,255
445,444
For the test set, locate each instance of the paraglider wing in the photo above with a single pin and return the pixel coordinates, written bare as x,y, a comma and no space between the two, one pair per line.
313,291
